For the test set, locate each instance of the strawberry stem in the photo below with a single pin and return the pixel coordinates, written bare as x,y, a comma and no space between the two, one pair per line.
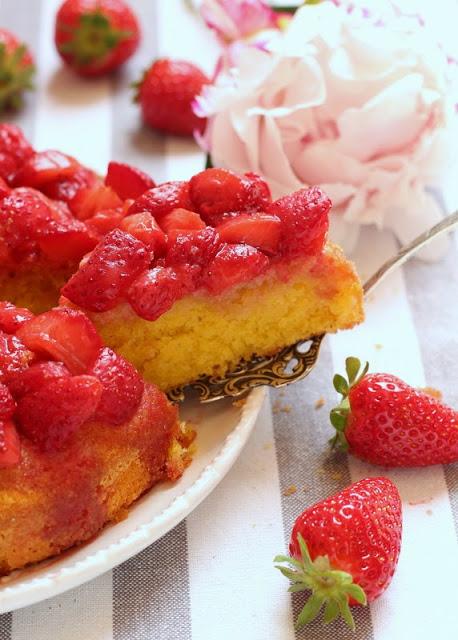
330,587
339,415
92,39
15,76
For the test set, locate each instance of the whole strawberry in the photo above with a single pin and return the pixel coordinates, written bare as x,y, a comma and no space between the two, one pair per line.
165,94
16,70
345,549
383,420
94,37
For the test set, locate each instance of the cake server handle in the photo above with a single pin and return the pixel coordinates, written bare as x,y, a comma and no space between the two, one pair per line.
409,250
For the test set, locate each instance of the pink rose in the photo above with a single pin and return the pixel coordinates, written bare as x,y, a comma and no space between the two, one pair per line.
359,105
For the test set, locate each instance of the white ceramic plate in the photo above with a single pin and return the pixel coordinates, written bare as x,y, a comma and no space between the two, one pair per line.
222,431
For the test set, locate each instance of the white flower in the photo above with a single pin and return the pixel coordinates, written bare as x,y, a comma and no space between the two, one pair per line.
354,104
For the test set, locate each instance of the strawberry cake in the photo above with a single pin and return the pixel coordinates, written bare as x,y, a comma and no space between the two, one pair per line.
81,434
184,278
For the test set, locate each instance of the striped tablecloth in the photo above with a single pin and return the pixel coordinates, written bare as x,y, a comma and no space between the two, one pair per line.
212,576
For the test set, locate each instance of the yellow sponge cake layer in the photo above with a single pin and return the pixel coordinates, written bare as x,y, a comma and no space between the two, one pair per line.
204,334
36,288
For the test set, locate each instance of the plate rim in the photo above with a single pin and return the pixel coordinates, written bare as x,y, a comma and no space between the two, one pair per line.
95,564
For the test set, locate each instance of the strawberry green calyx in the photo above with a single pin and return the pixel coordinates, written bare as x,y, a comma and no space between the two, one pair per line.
15,76
93,38
331,588
339,414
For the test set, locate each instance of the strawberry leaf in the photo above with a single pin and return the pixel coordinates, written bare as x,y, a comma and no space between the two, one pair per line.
352,367
340,384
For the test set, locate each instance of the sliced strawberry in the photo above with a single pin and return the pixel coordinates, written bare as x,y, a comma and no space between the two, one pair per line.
69,242
51,415
105,221
215,192
66,187
14,356
14,150
305,221
7,403
10,446
162,199
100,284
64,334
44,167
154,292
145,228
12,317
182,220
259,230
232,265
193,248
127,181
122,387
23,214
36,376
90,200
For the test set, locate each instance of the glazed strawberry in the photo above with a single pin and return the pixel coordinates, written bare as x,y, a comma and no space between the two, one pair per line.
67,187
14,356
216,192
24,213
260,230
232,265
154,292
345,549
182,220
51,415
66,242
166,93
383,420
7,403
192,249
94,37
44,167
36,376
305,221
12,317
14,150
16,70
163,199
90,200
101,282
127,181
145,228
66,335
10,447
122,388
105,221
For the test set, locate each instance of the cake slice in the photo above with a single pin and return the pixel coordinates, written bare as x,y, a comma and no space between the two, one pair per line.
237,276
81,434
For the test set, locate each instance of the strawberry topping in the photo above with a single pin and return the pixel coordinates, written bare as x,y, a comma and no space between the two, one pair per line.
232,265
12,317
154,292
163,199
122,387
10,446
127,181
111,268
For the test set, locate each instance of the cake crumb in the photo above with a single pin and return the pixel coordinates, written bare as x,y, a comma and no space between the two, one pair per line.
319,403
241,402
286,408
429,512
431,391
378,346
290,490
336,475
